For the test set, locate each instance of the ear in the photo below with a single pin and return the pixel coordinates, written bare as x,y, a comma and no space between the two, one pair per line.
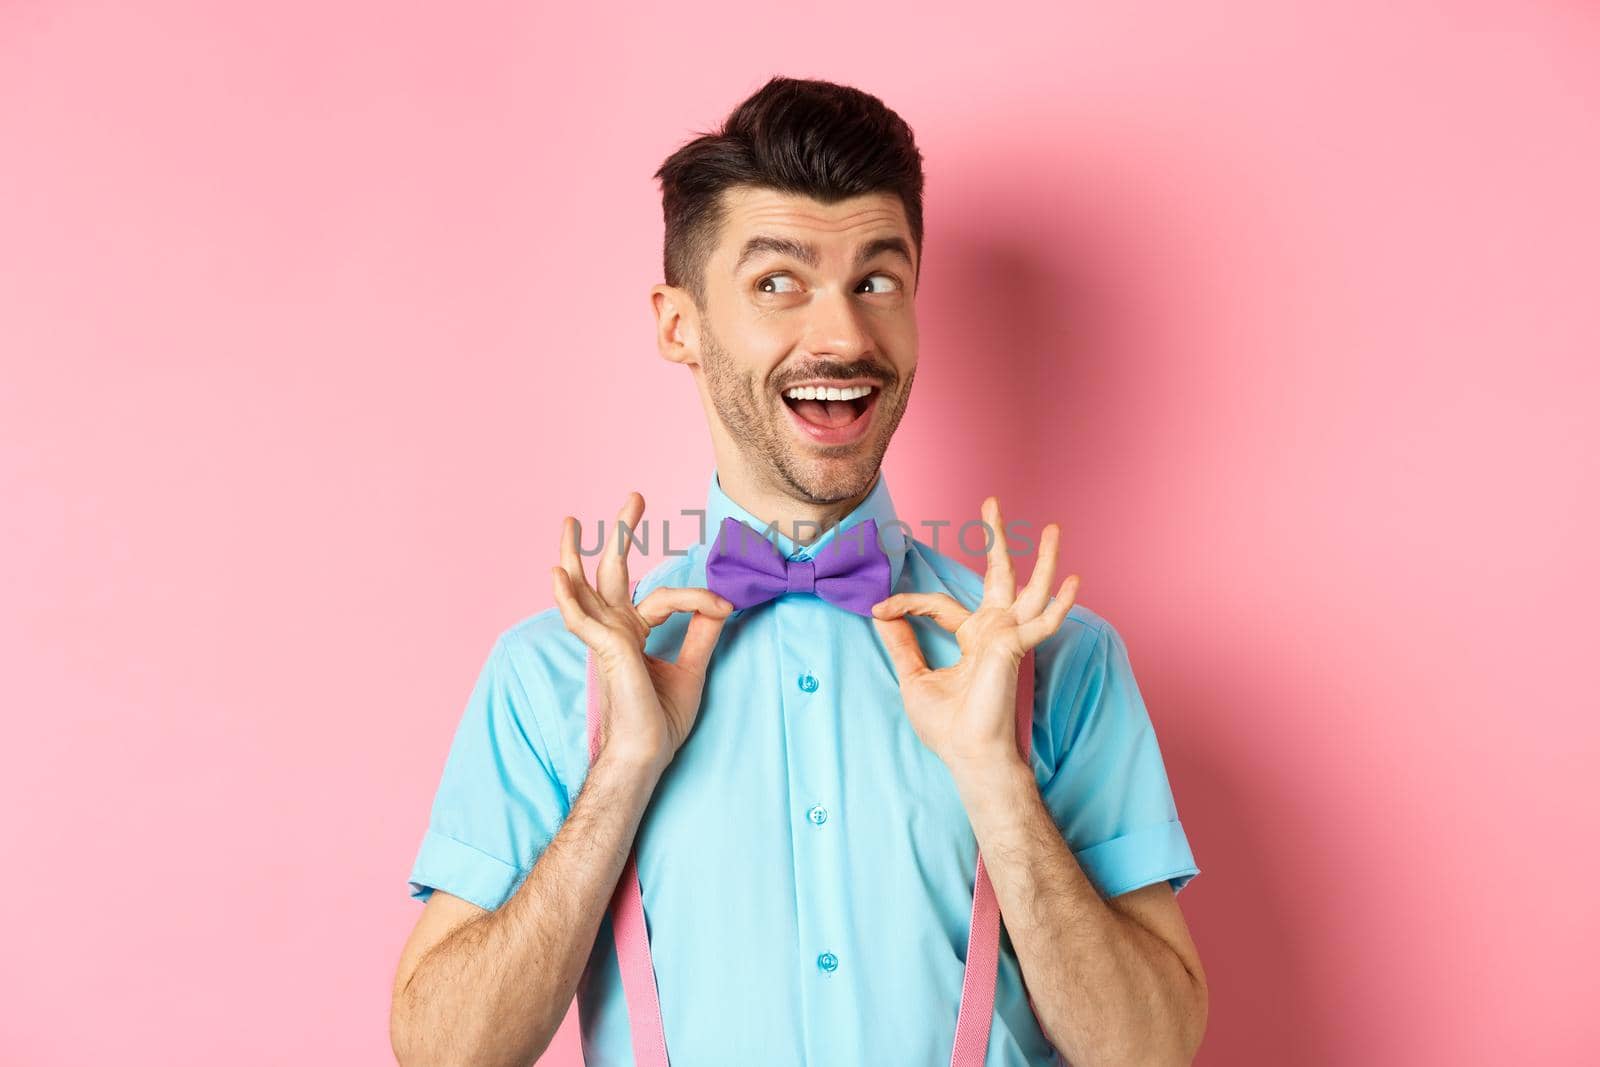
677,324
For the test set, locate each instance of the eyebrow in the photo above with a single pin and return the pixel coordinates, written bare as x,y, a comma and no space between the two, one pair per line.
805,252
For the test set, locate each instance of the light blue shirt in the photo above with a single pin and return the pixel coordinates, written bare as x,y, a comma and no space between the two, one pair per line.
806,862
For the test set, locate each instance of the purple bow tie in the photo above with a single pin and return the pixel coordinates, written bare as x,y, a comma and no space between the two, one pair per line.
852,572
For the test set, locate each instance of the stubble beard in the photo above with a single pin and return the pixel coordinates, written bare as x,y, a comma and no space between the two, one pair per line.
768,444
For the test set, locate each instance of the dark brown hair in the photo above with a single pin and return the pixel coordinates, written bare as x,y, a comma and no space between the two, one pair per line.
813,138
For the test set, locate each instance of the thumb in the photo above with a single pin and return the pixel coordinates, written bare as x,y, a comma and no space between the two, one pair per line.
699,638
901,642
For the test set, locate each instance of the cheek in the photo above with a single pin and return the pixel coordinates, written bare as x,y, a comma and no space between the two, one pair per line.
758,350
904,359
898,339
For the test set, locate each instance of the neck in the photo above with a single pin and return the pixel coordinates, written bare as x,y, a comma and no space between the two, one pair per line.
801,521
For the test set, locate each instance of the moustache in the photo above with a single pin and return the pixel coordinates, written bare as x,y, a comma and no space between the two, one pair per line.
842,373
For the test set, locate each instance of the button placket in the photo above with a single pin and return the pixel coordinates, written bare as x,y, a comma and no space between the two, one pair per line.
812,722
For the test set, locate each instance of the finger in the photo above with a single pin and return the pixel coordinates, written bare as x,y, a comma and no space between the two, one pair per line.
699,638
572,563
660,603
942,608
999,582
1050,620
611,579
1036,593
901,642
578,621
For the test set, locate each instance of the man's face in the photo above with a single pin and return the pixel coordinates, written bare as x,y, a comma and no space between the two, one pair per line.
810,296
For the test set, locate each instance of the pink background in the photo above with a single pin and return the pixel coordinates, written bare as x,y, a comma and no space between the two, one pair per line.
317,318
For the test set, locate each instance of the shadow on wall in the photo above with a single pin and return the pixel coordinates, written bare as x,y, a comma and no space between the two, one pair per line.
1032,374
1021,381
1256,927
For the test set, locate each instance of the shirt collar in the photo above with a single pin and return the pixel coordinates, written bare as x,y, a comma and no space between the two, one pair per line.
875,505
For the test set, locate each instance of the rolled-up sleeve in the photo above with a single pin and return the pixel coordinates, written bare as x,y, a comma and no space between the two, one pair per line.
500,799
1109,791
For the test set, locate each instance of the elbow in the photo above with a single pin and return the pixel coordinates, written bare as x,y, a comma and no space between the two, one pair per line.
401,1039
1175,1044
408,1031
1192,1025
1179,1051
418,1041
403,1054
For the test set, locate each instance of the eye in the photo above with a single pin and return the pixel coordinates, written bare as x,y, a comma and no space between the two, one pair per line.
769,283
893,283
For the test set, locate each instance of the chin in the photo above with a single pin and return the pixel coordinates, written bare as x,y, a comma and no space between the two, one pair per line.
826,479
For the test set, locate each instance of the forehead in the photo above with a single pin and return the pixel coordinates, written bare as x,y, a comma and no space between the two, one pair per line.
834,228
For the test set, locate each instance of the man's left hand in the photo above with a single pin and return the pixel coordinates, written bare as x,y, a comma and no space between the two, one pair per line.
966,713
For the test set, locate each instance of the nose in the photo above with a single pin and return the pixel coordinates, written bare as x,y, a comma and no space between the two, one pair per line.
834,327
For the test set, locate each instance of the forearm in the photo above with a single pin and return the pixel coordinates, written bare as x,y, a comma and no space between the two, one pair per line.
1108,992
496,990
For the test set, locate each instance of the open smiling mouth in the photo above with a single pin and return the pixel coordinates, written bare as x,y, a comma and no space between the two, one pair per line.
832,414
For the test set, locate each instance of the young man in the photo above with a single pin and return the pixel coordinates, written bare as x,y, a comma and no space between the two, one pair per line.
805,776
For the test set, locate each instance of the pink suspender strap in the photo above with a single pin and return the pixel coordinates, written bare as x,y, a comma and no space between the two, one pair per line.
633,941
983,934
628,929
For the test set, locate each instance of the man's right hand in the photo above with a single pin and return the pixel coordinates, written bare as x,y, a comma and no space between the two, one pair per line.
650,704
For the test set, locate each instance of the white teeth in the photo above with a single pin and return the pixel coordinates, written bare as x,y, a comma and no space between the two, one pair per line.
812,392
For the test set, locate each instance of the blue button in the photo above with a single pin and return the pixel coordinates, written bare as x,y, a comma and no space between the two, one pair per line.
808,684
818,814
827,963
